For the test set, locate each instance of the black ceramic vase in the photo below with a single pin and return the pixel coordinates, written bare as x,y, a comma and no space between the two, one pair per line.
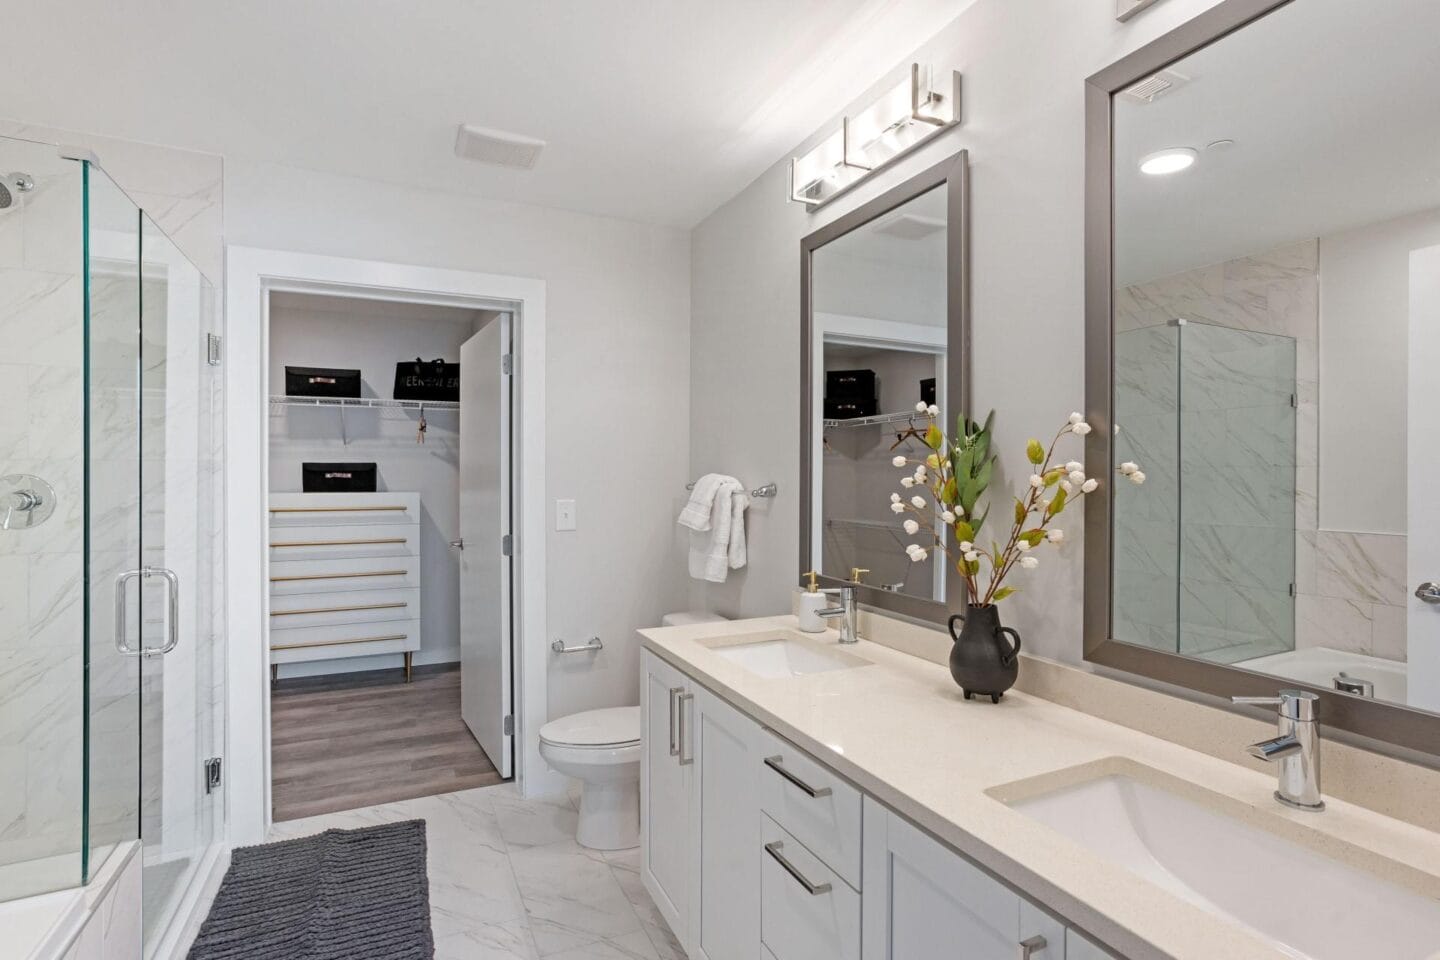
983,661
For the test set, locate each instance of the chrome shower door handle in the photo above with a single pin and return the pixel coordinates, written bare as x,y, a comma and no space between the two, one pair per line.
1429,592
122,580
172,610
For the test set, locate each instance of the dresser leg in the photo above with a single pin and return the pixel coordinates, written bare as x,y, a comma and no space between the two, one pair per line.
274,672
408,655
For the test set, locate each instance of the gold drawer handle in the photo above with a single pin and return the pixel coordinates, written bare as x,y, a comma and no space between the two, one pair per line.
364,606
336,643
340,543
336,509
341,576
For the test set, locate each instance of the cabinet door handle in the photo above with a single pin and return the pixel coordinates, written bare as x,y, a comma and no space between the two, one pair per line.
674,740
1031,946
775,763
814,889
681,700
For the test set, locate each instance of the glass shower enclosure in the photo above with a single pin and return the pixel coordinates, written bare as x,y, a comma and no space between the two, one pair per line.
111,610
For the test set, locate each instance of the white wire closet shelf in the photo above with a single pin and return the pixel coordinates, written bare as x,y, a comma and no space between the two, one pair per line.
879,418
364,403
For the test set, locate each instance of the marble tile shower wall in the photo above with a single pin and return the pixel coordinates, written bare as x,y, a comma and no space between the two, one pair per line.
41,411
1349,585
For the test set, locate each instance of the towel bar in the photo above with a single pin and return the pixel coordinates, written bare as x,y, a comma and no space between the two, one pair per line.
768,490
588,646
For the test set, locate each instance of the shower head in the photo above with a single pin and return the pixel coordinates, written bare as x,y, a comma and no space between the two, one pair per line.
13,183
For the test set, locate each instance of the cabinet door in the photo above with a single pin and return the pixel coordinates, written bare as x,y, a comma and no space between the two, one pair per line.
665,807
725,901
923,901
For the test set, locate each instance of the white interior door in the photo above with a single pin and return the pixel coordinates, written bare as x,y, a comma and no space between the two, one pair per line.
485,654
1423,515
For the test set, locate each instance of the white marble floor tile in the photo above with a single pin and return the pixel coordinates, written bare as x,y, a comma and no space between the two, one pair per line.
535,823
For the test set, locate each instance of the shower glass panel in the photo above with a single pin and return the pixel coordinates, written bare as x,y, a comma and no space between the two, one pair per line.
1204,558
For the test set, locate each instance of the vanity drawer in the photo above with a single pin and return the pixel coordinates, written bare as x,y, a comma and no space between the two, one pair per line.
334,576
331,543
819,808
807,911
292,611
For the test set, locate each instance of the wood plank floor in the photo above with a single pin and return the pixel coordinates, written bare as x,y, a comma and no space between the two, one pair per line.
354,740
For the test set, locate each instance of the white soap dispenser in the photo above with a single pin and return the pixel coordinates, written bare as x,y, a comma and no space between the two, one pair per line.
812,601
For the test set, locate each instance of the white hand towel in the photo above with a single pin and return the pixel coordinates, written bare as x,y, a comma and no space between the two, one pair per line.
715,514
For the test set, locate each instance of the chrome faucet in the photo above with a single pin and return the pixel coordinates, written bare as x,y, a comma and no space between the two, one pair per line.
849,608
1296,748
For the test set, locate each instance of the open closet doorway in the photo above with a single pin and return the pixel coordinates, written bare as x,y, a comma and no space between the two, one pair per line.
388,550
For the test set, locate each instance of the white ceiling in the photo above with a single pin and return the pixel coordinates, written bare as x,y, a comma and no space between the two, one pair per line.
1334,108
654,110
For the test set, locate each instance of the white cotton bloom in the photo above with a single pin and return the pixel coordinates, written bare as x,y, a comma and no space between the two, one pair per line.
1076,417
920,473
1067,486
899,461
966,546
1056,536
1080,428
910,548
919,501
1037,481
947,516
933,410
1029,563
894,498
919,555
1022,545
911,527
897,508
1129,467
1089,485
907,482
1138,477
971,556
1077,476
920,407
1074,466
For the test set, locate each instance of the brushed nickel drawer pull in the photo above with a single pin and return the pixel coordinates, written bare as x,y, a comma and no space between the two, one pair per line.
774,763
339,543
366,606
814,889
336,643
1031,946
341,576
336,509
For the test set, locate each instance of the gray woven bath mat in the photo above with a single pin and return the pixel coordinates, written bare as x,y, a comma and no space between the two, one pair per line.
353,894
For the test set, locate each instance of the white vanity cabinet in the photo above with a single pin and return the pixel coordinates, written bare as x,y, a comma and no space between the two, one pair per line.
665,785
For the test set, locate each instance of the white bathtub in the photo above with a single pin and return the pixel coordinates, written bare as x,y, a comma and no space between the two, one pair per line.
1319,666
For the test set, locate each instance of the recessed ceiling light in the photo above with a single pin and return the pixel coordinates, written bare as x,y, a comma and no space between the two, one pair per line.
1171,160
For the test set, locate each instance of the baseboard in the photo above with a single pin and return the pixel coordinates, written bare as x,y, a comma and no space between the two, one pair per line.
195,904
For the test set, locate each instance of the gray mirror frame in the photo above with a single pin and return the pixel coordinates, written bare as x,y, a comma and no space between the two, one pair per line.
1376,720
953,174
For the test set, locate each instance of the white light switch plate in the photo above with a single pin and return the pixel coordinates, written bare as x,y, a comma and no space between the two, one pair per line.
564,514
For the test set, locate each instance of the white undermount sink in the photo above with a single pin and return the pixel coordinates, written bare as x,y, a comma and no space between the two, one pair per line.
780,653
1305,903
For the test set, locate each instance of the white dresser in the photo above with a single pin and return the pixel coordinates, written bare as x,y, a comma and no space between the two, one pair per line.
344,576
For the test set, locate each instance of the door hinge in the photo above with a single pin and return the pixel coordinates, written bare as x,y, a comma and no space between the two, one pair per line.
212,349
509,725
212,774
507,364
507,545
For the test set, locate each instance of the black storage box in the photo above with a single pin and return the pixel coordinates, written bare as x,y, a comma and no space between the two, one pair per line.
321,382
849,409
927,390
338,478
427,380
851,385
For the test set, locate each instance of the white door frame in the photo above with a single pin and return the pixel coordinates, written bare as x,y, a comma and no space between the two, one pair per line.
251,275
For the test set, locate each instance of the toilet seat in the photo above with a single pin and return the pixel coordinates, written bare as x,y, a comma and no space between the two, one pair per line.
604,729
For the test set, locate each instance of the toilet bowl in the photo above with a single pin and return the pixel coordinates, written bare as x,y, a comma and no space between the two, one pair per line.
601,749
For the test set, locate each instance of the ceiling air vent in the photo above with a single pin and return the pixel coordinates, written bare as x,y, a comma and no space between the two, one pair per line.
910,226
1166,81
497,147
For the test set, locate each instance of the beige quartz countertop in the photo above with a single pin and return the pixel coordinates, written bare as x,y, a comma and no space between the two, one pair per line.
901,731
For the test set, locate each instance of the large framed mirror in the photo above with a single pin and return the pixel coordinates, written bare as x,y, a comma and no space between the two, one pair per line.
884,330
1263,331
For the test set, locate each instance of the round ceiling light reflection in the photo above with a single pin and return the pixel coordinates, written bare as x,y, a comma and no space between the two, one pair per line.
1168,161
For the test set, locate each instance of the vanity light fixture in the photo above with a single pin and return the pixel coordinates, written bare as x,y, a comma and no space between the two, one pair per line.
1171,160
902,119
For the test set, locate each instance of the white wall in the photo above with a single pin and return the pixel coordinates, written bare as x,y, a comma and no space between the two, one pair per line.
1023,65
1364,345
371,335
618,410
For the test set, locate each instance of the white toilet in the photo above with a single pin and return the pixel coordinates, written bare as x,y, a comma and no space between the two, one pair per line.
601,749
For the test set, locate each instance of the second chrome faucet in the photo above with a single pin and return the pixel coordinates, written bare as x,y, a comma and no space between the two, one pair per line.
1295,748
